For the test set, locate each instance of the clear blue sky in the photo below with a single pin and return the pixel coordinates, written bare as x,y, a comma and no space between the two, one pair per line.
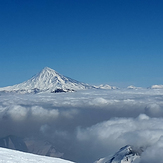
118,42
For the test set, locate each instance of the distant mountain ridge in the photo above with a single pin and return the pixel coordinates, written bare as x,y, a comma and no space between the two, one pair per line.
105,86
34,146
156,87
47,80
13,142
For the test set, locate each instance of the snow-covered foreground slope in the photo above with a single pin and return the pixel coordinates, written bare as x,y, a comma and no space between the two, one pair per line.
13,156
47,80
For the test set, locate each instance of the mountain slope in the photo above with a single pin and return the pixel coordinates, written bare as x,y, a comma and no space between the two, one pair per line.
127,154
47,80
12,156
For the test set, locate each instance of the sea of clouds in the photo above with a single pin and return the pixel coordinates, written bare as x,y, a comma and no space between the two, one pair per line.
88,125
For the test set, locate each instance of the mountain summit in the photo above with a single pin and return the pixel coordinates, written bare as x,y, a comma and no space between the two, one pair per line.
127,154
48,80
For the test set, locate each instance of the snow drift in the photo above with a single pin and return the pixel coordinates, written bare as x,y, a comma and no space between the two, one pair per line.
13,156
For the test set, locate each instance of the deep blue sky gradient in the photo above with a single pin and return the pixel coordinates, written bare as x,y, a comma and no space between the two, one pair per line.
118,42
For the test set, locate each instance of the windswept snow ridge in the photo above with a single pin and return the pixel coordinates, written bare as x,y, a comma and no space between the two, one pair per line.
47,80
12,156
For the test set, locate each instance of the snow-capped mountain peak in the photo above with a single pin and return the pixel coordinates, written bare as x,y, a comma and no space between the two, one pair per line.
46,72
156,87
105,86
127,154
47,80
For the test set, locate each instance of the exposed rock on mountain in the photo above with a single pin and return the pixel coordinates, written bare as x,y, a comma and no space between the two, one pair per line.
127,154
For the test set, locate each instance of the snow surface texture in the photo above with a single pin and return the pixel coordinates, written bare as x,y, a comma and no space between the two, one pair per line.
13,156
87,125
47,80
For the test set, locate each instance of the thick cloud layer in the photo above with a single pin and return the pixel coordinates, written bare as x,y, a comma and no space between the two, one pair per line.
87,125
111,135
153,153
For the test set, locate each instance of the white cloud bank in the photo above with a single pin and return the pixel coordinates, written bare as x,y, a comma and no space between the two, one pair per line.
87,125
111,135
